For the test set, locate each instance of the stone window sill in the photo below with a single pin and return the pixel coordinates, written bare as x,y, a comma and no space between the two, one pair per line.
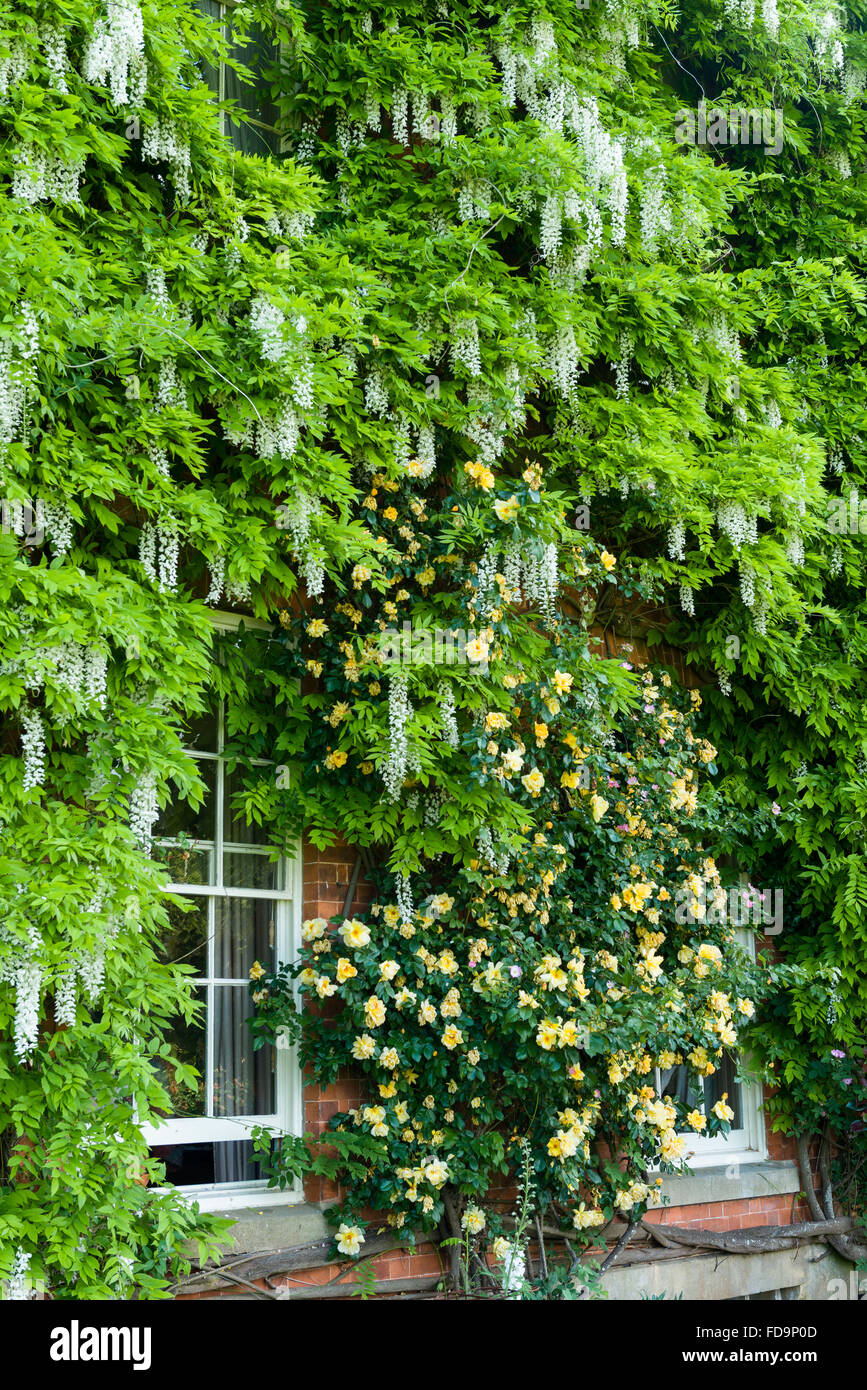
732,1181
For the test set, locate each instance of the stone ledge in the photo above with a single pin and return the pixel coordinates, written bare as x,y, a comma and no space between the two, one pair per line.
809,1272
771,1177
273,1228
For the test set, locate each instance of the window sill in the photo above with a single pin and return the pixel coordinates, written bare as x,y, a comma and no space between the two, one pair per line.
742,1175
274,1225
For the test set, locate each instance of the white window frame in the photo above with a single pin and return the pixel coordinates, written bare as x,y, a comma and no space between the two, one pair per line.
288,1114
748,1144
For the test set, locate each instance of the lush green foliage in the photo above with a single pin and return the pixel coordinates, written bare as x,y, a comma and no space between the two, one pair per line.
537,367
112,389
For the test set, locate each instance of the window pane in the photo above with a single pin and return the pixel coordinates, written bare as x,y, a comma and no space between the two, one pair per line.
243,1079
187,1043
243,933
185,941
230,1161
722,1080
257,54
200,733
251,871
180,818
195,866
210,74
677,1084
703,1096
236,830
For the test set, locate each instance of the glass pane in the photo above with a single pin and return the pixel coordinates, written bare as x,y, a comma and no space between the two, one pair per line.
243,933
722,1080
256,54
187,1043
703,1096
180,819
236,830
251,871
200,733
677,1083
210,74
243,1079
228,1161
194,866
185,941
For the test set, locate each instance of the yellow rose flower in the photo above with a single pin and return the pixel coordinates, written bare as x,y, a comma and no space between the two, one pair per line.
349,1239
354,934
374,1012
548,1034
533,781
507,510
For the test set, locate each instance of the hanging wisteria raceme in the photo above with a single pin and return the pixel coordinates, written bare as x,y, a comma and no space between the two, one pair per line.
375,394
267,321
28,999
17,1287
747,583
162,142
279,433
677,541
531,575
33,748
626,346
38,176
143,810
487,426
488,854
551,227
159,551
404,898
58,526
448,714
66,998
740,11
687,600
400,115
169,389
395,764
795,550
733,521
561,361
465,347
56,57
91,972
12,393
474,201
218,579
654,209
115,55
13,67
725,336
